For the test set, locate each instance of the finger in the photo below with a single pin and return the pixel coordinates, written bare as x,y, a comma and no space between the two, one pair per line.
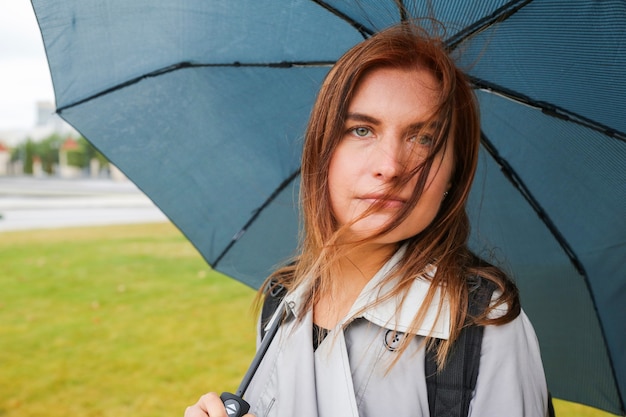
195,411
208,405
214,405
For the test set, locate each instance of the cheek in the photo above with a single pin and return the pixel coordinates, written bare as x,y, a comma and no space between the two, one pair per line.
343,176
339,174
334,187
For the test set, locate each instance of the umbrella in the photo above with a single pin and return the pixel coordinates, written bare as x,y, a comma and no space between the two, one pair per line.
203,105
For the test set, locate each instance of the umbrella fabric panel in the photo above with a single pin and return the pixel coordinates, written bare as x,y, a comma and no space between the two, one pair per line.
244,153
268,242
507,231
565,55
98,50
372,16
576,177
575,173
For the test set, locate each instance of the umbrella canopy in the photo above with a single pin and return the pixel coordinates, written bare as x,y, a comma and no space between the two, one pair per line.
203,105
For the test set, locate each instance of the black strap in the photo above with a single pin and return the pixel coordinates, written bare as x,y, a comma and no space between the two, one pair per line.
450,390
551,412
274,294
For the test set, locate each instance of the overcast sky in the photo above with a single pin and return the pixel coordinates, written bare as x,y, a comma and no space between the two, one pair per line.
24,75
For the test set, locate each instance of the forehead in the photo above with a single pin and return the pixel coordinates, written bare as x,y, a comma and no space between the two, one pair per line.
410,95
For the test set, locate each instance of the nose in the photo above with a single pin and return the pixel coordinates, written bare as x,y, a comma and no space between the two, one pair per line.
386,160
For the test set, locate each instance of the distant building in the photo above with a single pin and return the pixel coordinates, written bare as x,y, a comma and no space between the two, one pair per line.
45,113
38,167
65,169
47,123
47,117
5,159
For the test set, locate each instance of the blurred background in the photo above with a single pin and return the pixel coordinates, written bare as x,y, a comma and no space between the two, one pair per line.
50,176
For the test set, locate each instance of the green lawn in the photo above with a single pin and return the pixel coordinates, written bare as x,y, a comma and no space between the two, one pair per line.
115,321
121,321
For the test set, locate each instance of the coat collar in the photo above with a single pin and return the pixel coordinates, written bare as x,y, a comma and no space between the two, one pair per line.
436,322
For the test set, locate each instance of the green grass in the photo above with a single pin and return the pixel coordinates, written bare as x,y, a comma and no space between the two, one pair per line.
115,321
121,321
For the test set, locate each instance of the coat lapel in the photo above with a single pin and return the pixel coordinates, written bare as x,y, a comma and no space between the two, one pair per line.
297,394
387,314
334,383
294,380
284,384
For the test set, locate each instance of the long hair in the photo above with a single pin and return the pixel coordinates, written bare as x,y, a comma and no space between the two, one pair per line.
442,243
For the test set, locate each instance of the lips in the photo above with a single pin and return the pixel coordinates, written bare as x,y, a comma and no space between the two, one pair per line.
383,200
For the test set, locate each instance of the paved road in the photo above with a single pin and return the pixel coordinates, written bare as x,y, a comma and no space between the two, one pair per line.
35,203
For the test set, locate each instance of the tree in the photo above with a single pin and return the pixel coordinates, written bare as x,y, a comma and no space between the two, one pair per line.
79,153
48,152
27,153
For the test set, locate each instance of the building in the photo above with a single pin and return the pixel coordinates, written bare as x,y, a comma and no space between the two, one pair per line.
65,169
5,159
47,123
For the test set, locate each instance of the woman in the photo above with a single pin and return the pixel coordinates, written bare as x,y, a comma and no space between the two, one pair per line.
384,269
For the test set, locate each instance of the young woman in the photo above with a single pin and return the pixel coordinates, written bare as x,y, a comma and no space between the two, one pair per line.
384,268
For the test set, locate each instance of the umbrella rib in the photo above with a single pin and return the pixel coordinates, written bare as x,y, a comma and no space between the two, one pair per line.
184,65
500,15
363,30
256,214
548,108
519,184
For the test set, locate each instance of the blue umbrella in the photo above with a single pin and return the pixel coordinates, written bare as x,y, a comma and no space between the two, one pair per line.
203,105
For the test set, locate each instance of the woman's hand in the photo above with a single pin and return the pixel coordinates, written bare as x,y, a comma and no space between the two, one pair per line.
208,405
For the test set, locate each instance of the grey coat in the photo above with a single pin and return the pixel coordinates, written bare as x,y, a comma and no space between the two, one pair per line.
349,373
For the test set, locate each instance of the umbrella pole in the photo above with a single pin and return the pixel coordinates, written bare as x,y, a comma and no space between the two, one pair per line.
235,405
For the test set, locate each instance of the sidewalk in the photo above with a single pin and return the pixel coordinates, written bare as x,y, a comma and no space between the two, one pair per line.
35,203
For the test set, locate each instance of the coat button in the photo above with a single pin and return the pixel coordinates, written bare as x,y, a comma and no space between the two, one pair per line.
393,339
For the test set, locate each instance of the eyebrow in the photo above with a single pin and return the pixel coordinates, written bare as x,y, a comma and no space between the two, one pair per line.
360,117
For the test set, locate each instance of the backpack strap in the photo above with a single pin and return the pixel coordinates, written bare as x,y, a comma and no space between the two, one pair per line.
450,390
274,294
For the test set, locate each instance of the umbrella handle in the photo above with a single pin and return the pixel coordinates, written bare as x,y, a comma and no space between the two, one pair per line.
235,405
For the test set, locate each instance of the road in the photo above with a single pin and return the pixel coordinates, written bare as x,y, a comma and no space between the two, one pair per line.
44,203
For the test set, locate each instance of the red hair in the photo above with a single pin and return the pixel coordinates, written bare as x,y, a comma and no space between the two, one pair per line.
444,242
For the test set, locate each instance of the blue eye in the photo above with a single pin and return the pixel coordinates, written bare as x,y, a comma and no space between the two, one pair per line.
361,132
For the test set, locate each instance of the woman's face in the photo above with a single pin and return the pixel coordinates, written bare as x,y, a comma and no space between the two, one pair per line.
385,136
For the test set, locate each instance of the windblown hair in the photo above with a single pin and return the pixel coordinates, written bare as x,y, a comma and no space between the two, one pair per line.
442,243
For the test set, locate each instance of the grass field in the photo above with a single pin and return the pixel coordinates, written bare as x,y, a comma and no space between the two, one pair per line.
121,321
115,321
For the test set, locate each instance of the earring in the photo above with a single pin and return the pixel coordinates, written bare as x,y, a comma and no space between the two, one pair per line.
445,194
